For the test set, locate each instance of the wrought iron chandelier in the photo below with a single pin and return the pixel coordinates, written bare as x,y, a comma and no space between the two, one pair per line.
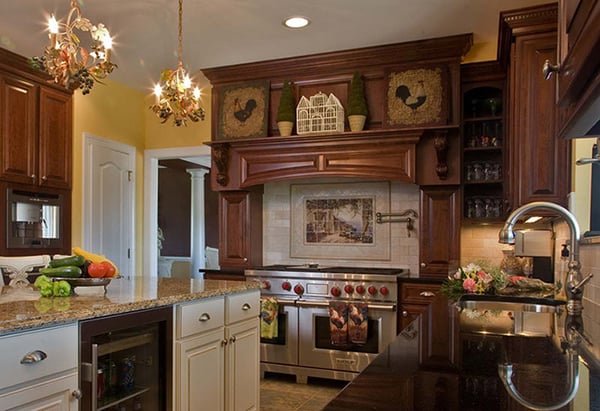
67,60
175,95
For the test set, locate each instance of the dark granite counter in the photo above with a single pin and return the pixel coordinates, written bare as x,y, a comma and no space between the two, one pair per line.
23,308
396,381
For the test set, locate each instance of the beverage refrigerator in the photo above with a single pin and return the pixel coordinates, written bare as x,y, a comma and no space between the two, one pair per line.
126,361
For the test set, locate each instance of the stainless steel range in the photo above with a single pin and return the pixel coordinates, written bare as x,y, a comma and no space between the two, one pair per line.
304,293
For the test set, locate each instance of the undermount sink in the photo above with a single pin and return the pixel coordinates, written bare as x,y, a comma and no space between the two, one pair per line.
499,315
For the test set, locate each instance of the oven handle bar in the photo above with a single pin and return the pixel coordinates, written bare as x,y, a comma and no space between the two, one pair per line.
380,307
283,301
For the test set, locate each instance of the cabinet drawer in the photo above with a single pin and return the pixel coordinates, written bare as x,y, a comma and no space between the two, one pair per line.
199,316
419,293
59,345
242,306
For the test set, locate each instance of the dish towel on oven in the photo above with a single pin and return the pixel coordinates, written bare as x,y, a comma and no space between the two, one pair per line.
358,323
268,317
338,322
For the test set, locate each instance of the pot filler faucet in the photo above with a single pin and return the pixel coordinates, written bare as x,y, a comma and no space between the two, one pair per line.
574,283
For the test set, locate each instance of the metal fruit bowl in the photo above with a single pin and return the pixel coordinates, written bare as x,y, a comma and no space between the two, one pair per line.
86,281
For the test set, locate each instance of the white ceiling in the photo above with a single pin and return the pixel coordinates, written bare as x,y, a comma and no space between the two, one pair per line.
224,32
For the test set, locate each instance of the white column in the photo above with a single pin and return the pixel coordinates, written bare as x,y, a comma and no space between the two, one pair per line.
197,241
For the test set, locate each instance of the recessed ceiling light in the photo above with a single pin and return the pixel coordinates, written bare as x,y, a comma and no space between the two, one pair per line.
296,22
533,219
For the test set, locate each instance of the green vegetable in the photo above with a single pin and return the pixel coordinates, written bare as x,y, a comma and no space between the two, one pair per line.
61,288
47,290
41,281
75,260
69,271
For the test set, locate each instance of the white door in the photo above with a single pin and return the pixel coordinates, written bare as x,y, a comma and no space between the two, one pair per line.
109,189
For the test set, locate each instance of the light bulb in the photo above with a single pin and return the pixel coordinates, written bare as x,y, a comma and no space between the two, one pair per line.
157,92
187,82
196,93
52,25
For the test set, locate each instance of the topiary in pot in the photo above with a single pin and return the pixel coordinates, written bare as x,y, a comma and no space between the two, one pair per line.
357,104
286,112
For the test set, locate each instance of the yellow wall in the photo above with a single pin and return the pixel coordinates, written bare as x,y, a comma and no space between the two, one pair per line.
119,113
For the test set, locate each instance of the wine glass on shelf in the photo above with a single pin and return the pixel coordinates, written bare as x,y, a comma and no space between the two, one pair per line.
494,105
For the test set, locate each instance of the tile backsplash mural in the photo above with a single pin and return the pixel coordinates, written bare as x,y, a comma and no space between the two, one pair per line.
277,230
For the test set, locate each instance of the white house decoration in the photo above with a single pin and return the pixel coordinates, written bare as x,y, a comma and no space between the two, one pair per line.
320,114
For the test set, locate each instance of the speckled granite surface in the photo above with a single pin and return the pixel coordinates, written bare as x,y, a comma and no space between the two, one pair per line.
21,309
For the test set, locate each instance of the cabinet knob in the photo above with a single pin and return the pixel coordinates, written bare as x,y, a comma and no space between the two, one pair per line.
550,68
404,313
204,317
33,176
33,357
246,307
245,259
44,178
76,394
426,294
223,342
232,339
423,265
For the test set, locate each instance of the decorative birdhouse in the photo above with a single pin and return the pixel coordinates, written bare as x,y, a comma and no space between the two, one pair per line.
321,114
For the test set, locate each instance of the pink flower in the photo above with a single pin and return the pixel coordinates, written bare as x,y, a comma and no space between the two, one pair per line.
470,285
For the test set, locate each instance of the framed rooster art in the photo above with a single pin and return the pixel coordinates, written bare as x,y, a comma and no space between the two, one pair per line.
243,110
417,97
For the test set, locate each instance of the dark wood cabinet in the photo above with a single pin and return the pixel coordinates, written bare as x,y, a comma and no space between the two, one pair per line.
438,323
240,229
578,77
539,163
439,228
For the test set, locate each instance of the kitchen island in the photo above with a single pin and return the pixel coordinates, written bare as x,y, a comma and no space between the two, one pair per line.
397,381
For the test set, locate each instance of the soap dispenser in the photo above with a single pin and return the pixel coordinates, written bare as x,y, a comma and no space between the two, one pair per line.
563,270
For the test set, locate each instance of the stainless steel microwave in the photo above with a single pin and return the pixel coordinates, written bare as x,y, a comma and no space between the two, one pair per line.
33,219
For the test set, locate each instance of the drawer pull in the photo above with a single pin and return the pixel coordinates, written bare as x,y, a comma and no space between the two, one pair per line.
426,294
33,357
246,307
232,339
223,343
204,317
77,394
404,313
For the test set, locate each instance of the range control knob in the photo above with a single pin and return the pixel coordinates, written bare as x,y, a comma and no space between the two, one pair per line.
298,289
360,289
335,291
384,290
267,285
372,290
286,285
349,289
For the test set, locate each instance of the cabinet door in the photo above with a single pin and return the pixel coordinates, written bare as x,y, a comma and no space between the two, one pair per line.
539,161
18,133
439,246
243,362
58,394
240,230
55,139
199,374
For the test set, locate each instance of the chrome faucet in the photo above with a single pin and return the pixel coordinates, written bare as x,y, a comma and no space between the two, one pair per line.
574,283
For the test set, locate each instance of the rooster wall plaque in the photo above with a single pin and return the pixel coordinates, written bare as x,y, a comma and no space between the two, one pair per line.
416,98
243,110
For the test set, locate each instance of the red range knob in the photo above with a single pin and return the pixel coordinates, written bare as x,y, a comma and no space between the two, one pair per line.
360,289
349,289
372,290
335,291
286,286
267,285
298,289
384,290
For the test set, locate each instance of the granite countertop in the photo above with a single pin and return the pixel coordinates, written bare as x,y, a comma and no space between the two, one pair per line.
396,380
23,308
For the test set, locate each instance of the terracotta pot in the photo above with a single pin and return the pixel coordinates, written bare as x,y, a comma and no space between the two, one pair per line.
285,127
357,122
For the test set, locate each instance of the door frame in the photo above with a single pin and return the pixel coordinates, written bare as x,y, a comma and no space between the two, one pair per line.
90,140
151,158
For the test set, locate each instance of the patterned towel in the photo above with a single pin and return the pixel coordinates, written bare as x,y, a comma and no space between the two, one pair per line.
338,322
268,317
358,323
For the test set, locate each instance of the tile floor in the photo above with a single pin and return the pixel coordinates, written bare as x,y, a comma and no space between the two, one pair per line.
280,392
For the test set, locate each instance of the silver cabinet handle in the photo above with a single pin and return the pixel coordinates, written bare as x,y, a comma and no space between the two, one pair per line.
33,357
246,307
33,176
423,265
404,313
550,68
223,343
426,294
44,178
77,394
204,317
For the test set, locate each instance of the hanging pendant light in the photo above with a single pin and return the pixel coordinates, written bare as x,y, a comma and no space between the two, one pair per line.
67,61
175,95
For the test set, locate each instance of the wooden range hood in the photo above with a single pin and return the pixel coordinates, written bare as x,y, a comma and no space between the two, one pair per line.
414,155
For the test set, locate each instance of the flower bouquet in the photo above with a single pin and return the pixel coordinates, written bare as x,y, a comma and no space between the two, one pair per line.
475,279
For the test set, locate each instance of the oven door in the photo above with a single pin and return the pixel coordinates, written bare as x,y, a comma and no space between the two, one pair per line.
317,350
284,348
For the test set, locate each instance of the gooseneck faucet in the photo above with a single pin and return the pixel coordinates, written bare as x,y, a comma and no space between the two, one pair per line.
574,283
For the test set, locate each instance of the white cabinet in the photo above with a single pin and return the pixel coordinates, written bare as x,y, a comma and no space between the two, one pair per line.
40,369
217,353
